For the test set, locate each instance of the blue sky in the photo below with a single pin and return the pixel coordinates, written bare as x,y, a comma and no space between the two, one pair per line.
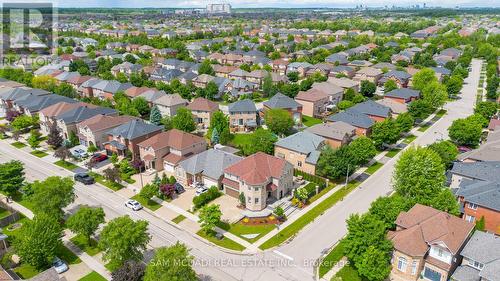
268,3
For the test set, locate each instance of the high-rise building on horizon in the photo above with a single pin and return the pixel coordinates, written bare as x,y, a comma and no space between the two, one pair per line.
222,8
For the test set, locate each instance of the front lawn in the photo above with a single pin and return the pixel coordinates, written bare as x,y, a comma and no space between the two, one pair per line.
81,242
308,217
224,242
310,121
441,113
66,165
241,140
409,139
66,255
330,260
150,204
391,153
348,272
93,276
26,271
424,127
18,144
178,219
100,179
38,153
240,229
373,168
322,192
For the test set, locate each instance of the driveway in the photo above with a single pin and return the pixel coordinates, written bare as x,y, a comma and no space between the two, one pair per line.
185,200
229,208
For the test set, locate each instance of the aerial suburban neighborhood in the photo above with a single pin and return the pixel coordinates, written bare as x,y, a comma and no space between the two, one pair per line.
250,140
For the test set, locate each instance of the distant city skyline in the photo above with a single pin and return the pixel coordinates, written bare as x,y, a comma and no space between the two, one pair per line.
268,3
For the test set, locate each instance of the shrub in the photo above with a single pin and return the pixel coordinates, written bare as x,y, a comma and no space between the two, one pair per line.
204,198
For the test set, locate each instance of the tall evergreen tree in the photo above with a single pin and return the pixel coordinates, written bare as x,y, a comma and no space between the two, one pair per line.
155,116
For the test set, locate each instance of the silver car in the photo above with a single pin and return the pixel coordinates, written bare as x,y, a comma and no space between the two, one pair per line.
59,265
134,205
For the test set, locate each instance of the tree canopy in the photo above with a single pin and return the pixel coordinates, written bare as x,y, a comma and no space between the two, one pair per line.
171,263
52,195
278,121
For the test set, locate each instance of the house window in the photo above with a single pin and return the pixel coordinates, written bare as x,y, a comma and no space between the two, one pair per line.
440,252
476,264
402,264
299,163
472,206
256,201
249,199
470,218
414,267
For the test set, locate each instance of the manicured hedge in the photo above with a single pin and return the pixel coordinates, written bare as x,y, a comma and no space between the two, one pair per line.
204,198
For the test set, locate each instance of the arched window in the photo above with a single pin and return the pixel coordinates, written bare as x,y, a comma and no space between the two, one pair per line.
402,264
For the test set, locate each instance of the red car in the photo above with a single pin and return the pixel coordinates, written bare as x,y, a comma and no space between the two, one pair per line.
99,157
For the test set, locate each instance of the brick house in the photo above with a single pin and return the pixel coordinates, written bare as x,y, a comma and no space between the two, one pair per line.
403,95
261,178
427,243
336,134
48,115
93,131
314,102
242,116
302,150
202,110
284,102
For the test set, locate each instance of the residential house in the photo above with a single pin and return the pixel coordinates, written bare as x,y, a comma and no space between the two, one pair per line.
165,150
242,116
400,77
374,110
403,95
337,59
344,83
284,102
314,102
106,89
336,134
427,244
342,70
93,131
67,121
396,107
8,96
261,178
368,73
77,81
168,104
300,67
334,92
238,73
279,66
480,259
31,105
206,167
302,150
359,120
203,110
127,136
48,115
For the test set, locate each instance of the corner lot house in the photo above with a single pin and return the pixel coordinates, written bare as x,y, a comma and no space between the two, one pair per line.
206,167
427,243
261,178
481,258
202,110
126,137
302,150
165,150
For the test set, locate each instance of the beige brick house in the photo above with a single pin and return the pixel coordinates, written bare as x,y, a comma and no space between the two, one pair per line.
242,116
202,110
302,150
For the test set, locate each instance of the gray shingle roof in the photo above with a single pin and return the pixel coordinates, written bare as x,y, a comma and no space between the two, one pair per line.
37,103
486,171
281,101
465,273
372,108
337,130
303,142
245,105
210,163
83,113
354,118
134,129
403,93
483,193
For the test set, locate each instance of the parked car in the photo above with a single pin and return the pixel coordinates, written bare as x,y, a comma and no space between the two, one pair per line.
79,153
134,205
59,265
200,190
84,178
179,188
463,149
99,157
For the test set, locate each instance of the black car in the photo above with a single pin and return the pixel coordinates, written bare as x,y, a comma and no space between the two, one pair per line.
84,178
179,188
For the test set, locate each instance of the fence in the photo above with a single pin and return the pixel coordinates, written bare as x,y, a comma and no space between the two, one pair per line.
11,218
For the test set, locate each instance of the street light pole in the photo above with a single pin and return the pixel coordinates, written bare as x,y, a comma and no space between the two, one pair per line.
347,175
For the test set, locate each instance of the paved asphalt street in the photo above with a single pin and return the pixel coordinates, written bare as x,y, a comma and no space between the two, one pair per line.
291,261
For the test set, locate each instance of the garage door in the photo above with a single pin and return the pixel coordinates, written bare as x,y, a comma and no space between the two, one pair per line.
210,182
231,192
168,168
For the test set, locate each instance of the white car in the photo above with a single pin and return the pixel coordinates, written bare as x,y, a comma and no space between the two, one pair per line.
200,190
59,265
134,205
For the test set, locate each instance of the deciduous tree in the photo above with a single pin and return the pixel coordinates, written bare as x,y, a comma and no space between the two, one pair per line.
52,195
11,177
278,121
210,216
171,263
129,271
86,221
183,120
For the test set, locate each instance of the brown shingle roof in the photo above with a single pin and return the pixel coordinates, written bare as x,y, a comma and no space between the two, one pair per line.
136,91
423,225
61,107
202,104
257,168
311,95
78,80
101,122
174,138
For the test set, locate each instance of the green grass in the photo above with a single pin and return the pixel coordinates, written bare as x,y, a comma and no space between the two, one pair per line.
81,242
310,121
391,153
322,192
66,165
308,217
330,260
240,229
26,271
150,204
66,255
241,140
441,113
348,272
18,144
111,185
409,139
424,127
224,242
178,219
373,168
93,276
39,153
4,213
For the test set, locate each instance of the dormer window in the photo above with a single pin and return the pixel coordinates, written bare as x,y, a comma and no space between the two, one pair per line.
472,206
476,264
